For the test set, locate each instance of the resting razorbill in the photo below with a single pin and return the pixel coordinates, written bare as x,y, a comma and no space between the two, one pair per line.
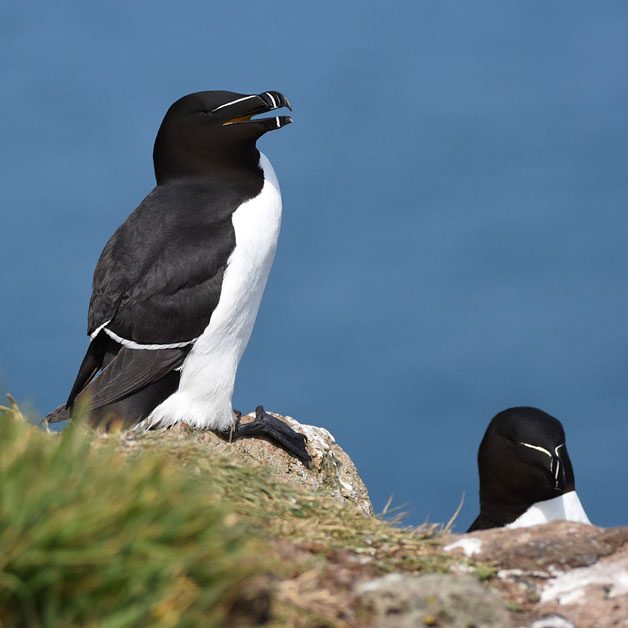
177,287
526,475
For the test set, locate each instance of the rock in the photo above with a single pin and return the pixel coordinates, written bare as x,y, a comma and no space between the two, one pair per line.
552,621
558,574
443,600
333,473
559,545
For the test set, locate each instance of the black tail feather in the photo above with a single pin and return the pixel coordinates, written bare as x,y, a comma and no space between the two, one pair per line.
130,371
60,413
90,365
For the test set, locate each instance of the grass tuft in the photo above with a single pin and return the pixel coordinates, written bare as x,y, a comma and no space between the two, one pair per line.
90,538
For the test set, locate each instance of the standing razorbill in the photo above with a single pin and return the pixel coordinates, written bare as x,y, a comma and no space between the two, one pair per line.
177,287
526,475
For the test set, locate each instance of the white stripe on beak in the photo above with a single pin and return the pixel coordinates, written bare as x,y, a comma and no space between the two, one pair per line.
233,102
272,99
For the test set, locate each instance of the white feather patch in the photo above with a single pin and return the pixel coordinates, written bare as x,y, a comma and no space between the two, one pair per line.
203,398
566,506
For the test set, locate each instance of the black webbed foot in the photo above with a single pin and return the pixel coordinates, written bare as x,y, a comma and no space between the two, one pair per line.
268,426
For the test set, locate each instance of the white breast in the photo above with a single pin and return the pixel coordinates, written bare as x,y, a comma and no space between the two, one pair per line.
208,373
567,506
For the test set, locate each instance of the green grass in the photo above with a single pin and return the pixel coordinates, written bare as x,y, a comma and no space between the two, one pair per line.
89,538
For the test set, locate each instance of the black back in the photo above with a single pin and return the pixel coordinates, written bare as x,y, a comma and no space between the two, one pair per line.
522,460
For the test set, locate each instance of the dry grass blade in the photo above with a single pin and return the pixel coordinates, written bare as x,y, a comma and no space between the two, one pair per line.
450,523
12,409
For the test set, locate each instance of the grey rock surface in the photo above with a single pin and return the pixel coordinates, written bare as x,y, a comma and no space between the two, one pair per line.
444,600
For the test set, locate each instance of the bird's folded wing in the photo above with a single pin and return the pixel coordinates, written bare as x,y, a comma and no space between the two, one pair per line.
128,372
159,277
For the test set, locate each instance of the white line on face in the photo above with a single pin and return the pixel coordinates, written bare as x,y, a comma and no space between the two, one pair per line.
233,102
547,453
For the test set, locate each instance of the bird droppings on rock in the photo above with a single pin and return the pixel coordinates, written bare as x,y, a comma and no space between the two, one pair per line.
611,574
469,546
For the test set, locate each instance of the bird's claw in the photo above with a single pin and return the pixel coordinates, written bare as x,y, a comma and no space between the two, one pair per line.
276,430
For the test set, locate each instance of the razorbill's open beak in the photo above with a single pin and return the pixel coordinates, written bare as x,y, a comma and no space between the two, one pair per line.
242,110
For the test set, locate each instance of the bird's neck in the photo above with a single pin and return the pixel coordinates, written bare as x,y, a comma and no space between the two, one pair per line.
171,164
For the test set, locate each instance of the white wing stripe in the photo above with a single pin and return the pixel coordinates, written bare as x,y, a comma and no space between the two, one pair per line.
131,344
98,329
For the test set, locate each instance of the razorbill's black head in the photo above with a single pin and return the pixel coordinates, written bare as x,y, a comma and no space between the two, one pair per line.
213,131
526,476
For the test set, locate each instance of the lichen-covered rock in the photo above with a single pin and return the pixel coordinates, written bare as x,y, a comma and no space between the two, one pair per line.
558,574
333,474
445,600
